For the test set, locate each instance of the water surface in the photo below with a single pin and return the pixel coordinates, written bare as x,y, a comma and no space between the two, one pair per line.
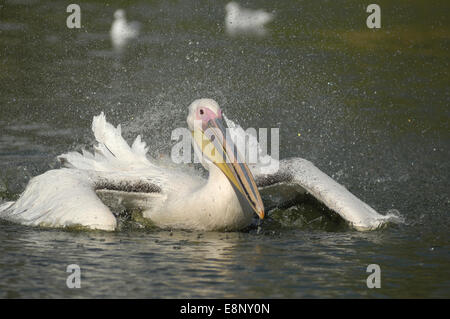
368,107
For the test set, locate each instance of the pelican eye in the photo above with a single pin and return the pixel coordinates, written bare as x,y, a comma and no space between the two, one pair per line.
201,112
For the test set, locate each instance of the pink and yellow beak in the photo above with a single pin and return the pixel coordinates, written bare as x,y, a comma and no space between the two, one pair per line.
220,149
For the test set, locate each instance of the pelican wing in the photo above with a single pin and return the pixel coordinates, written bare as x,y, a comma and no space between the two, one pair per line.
112,153
123,167
114,172
304,175
308,178
60,198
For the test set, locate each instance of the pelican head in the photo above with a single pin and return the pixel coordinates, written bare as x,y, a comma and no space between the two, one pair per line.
209,131
119,14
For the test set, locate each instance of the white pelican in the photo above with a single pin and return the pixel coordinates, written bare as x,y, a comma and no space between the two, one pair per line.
245,21
168,197
122,31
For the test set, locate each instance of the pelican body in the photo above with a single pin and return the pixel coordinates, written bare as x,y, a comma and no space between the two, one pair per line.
83,190
170,198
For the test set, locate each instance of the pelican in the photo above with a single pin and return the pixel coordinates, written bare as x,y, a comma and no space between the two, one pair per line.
172,198
245,21
122,31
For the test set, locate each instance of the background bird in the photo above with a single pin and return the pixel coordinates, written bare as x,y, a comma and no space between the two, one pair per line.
122,31
240,20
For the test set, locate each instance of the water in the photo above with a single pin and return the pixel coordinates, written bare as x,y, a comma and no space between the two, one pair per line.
368,107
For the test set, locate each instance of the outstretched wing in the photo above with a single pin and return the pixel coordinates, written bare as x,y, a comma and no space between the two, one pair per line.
308,178
121,167
304,175
60,198
70,196
112,153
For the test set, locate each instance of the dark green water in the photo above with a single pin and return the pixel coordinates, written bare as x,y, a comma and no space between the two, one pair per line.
371,108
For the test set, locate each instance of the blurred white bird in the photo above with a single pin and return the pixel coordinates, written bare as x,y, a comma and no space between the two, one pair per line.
246,21
122,31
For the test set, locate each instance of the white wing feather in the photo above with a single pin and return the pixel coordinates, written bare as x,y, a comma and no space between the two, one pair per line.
60,198
335,196
67,196
112,153
304,174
